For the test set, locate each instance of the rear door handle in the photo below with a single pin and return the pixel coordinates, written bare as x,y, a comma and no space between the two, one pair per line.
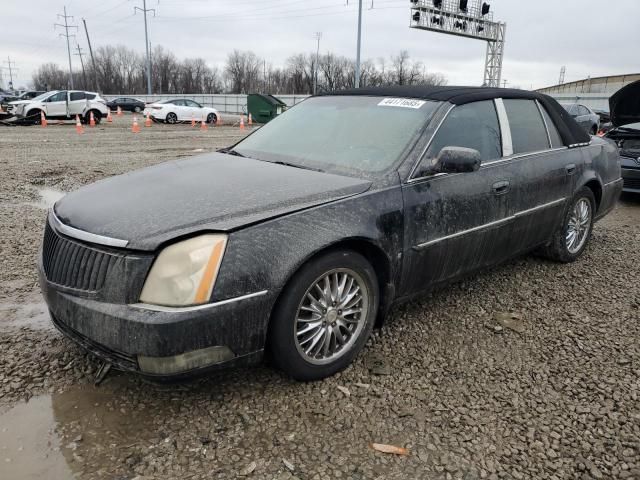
571,168
500,188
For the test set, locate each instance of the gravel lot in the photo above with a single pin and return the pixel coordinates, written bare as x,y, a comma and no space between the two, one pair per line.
530,370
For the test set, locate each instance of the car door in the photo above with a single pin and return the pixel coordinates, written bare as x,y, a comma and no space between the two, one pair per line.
56,105
543,169
455,223
193,109
77,103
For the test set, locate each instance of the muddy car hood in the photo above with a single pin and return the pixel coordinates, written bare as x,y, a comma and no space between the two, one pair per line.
213,192
624,105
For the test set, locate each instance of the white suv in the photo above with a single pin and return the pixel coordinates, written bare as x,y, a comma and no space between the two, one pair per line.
62,105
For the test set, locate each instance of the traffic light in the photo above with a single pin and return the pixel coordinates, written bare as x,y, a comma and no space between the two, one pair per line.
485,8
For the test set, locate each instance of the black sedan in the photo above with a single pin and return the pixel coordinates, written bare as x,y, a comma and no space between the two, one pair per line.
625,117
126,104
298,239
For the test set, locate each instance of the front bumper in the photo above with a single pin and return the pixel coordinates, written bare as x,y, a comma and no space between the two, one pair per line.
630,175
170,343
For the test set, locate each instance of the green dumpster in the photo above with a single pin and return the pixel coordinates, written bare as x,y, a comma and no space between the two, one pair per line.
264,108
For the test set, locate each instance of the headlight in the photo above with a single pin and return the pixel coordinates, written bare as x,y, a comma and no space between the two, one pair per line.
185,273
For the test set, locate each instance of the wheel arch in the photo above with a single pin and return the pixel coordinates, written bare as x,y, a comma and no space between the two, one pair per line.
372,252
596,187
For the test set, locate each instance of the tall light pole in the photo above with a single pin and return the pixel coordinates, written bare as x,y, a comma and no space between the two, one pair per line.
144,10
357,83
315,83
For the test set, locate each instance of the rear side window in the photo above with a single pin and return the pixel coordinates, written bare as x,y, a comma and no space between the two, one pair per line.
528,133
556,140
474,125
90,96
76,96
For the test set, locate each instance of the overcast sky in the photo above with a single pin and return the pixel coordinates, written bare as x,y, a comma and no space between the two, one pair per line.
589,37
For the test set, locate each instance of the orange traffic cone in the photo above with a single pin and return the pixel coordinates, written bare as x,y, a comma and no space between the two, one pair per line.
250,120
92,120
43,119
79,127
109,117
147,122
119,112
203,125
135,128
242,123
193,120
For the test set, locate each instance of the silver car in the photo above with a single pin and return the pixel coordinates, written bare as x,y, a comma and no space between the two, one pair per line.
584,116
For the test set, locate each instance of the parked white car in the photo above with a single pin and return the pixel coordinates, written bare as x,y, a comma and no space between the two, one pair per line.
61,105
181,110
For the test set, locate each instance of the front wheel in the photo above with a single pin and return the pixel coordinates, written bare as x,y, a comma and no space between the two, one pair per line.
324,316
572,236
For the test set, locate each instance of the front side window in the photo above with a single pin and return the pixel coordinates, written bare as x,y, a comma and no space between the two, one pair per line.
58,97
474,125
352,135
528,133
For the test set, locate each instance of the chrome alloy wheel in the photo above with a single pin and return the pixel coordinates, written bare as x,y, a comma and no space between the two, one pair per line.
578,226
331,316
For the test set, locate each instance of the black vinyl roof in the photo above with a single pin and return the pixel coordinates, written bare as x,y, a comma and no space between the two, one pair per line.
570,131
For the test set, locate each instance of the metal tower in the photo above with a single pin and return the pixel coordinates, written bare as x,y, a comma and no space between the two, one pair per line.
465,18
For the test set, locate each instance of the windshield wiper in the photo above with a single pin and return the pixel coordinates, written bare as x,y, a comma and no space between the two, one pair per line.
230,151
304,167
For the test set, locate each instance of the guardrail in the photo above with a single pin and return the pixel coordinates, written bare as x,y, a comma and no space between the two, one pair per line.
236,104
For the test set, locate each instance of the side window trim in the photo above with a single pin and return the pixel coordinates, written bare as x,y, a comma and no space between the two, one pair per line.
505,128
544,120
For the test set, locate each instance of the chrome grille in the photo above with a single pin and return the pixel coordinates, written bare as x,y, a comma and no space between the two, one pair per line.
74,265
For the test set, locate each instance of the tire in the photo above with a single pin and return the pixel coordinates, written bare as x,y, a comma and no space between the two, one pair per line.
137,110
561,249
172,118
299,348
33,117
97,116
212,118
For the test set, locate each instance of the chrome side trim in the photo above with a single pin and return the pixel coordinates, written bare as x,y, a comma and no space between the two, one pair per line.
524,155
195,308
505,128
85,236
612,182
495,223
424,151
546,127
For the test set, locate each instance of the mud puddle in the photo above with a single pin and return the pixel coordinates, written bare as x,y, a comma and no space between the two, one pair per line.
73,434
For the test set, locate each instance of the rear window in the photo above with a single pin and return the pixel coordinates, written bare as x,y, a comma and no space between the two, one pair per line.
528,133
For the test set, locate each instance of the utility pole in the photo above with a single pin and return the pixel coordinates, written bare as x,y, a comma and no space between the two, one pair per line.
93,61
144,11
11,69
504,83
66,27
84,73
315,83
359,43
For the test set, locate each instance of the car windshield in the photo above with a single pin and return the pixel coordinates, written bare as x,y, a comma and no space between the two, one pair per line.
43,96
352,135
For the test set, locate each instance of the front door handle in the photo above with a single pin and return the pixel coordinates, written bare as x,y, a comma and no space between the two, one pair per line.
500,188
571,168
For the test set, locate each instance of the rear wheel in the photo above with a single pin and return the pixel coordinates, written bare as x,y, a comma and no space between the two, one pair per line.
324,316
211,118
172,118
97,117
572,236
137,109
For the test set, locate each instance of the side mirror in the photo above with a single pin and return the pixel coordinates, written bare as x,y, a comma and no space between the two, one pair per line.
458,160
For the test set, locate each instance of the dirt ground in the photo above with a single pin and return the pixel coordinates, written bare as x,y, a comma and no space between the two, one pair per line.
530,370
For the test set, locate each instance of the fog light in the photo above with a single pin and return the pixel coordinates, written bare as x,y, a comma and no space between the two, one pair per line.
185,361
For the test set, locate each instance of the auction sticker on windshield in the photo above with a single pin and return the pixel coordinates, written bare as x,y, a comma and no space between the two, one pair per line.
402,102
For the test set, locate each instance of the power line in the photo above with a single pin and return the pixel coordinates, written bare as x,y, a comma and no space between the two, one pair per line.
66,27
144,11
